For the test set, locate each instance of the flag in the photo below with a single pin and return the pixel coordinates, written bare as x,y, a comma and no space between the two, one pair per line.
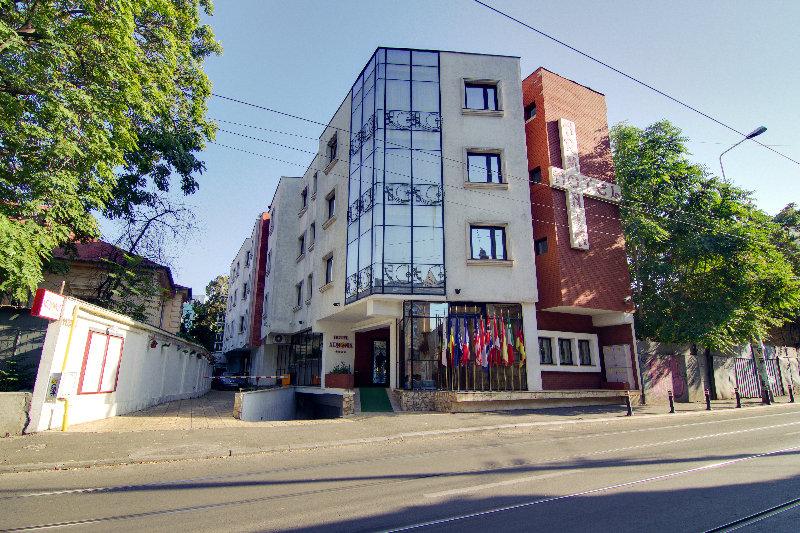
457,348
477,338
510,341
452,342
487,342
521,345
443,339
503,343
495,343
465,345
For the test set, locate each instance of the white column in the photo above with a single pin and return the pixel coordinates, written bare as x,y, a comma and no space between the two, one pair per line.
530,328
394,354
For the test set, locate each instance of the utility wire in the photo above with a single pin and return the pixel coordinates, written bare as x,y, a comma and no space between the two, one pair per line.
632,78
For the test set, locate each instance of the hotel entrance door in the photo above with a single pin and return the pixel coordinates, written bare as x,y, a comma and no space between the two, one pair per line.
371,365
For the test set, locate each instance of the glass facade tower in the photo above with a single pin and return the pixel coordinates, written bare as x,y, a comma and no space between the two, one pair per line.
395,233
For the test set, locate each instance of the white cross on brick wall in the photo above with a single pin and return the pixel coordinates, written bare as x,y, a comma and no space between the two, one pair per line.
576,185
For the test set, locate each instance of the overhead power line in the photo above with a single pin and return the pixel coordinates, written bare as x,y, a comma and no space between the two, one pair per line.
632,78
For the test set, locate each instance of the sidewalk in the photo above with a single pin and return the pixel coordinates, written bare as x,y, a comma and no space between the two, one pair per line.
173,436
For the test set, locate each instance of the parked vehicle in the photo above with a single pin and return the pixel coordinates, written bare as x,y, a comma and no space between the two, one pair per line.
230,381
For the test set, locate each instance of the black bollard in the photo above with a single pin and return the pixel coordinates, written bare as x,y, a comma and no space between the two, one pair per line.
628,405
791,393
708,400
738,397
671,398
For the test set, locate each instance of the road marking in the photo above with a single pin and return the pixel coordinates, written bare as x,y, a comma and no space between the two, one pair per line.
591,491
515,481
122,488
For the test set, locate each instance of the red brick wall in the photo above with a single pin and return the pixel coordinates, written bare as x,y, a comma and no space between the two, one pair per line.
564,322
258,290
571,380
597,278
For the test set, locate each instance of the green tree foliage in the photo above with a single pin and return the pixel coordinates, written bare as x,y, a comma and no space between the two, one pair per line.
209,316
704,261
102,105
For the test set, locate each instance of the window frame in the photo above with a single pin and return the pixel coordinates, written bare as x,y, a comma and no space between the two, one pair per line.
331,197
574,337
310,287
301,241
304,198
298,294
328,260
540,246
550,349
588,344
484,85
332,148
527,110
561,360
103,367
486,155
502,228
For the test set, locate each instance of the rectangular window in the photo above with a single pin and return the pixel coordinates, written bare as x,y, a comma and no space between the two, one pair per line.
480,96
312,232
269,261
299,294
310,287
488,242
584,352
540,246
247,258
101,361
530,111
331,198
484,168
241,324
565,351
301,245
329,269
535,175
333,146
546,350
304,197
245,291
314,184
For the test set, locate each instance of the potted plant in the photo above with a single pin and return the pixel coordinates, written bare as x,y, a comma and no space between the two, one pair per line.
340,377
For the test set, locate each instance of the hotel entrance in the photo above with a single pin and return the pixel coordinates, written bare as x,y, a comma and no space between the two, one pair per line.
371,364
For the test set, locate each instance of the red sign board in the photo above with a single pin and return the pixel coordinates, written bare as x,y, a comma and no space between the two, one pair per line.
47,304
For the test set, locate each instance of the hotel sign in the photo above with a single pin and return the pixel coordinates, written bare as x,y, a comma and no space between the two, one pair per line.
341,344
47,305
576,185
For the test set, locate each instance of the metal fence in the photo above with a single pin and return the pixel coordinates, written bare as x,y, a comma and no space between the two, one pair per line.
748,381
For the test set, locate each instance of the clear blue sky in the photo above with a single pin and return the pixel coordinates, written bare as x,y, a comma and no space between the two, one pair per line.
736,60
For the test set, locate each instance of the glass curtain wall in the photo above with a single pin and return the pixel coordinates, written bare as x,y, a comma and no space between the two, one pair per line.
395,234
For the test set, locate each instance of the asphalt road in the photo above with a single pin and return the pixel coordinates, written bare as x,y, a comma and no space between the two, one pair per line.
683,473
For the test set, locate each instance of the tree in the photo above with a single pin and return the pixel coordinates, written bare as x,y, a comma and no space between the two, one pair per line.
209,316
101,105
704,262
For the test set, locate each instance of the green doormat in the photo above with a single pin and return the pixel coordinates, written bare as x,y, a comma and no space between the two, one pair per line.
375,400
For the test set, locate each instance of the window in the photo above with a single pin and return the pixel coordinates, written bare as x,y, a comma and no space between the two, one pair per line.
247,258
241,324
540,246
304,197
565,351
480,96
535,175
272,215
314,184
101,361
584,352
331,198
299,294
310,287
488,242
546,350
333,146
301,245
235,291
530,111
483,168
269,261
265,310
245,291
312,232
329,269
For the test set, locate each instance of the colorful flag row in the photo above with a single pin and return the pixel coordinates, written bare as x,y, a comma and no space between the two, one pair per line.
492,342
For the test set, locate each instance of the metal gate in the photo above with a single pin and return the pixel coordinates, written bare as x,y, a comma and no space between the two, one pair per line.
747,377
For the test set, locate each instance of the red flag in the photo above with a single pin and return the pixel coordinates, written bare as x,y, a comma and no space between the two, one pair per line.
478,342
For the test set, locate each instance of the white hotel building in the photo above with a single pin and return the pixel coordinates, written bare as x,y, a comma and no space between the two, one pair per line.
415,211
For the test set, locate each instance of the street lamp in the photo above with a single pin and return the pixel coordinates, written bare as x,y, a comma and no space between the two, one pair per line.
755,133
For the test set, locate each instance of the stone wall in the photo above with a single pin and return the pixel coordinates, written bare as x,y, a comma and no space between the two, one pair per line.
14,407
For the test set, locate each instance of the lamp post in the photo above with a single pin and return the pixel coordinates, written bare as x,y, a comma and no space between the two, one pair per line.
755,133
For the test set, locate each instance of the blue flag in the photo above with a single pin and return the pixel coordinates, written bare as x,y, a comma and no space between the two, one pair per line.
457,350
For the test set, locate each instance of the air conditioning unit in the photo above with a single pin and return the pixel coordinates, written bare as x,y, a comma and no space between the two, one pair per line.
280,338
